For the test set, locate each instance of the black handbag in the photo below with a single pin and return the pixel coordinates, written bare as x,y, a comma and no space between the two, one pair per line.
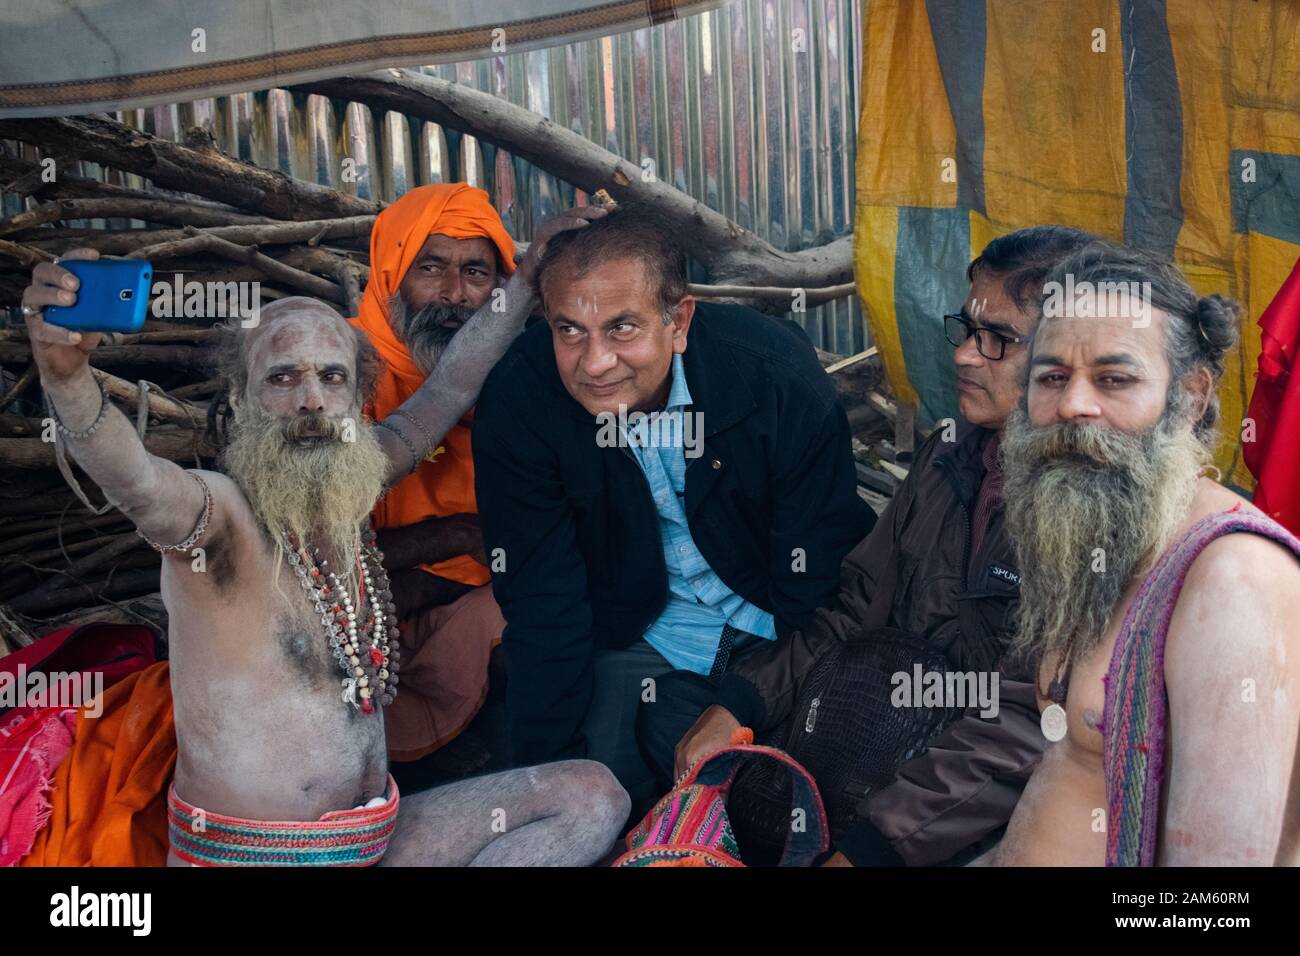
846,731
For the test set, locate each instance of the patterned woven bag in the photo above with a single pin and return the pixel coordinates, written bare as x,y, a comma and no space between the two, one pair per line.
689,826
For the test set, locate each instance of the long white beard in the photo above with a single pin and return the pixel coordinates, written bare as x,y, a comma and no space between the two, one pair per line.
318,492
1088,508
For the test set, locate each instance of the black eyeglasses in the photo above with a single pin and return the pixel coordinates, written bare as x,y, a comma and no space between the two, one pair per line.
992,345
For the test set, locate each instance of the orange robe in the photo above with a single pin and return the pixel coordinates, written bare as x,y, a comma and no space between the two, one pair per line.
108,802
443,485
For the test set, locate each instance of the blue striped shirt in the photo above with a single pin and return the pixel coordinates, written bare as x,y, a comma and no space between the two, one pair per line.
688,631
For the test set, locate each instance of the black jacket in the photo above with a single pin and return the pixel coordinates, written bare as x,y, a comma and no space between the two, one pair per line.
572,533
915,572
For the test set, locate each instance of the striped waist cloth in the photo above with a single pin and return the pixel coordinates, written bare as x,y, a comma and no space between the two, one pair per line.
340,838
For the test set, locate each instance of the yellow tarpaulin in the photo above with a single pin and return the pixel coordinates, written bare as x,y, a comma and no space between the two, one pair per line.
1173,125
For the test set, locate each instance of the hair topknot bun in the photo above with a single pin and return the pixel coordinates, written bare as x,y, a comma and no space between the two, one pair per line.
1218,320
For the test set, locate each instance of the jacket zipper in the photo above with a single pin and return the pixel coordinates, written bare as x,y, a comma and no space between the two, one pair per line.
812,715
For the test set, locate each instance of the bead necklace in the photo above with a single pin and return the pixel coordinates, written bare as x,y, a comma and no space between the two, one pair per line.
366,651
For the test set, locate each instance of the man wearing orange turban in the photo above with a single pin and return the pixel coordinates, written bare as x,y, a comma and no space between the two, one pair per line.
436,256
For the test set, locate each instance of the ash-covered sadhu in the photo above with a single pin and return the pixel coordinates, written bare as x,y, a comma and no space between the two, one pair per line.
283,644
1160,605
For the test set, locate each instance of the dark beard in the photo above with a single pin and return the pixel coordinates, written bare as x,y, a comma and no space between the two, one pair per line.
422,331
1072,489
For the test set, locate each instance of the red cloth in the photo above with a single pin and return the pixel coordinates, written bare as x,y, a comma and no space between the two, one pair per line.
1274,457
31,748
36,736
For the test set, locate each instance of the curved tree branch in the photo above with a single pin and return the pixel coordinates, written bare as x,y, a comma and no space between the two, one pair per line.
729,252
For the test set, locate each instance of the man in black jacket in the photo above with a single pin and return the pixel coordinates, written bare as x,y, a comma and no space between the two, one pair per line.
938,566
662,484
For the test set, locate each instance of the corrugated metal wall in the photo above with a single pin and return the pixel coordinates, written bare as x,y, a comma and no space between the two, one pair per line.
751,108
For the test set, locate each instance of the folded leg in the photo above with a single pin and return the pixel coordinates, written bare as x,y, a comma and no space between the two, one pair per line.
559,814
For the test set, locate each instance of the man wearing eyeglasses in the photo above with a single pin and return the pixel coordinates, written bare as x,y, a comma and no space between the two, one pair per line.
939,566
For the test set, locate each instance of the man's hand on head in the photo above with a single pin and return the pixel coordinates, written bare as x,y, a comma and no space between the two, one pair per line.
454,382
576,218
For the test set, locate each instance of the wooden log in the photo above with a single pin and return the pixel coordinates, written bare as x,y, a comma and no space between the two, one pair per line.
40,505
204,172
62,236
852,360
149,210
148,609
321,260
69,548
174,243
882,405
14,634
198,389
20,385
179,445
875,479
115,356
23,573
181,336
863,418
107,550
26,255
905,433
66,524
126,584
349,276
308,283
19,426
160,406
26,178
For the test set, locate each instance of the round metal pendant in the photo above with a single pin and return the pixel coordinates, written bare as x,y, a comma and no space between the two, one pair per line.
1053,722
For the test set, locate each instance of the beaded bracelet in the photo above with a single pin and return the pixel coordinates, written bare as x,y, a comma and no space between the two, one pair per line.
99,419
415,458
201,527
417,423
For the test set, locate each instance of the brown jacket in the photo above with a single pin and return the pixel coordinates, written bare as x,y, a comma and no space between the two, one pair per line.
914,572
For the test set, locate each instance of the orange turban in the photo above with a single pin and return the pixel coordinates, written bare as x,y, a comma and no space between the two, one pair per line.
444,486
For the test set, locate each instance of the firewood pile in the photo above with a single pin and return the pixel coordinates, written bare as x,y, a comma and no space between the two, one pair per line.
209,218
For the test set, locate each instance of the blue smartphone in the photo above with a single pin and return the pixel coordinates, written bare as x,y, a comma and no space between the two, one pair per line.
113,296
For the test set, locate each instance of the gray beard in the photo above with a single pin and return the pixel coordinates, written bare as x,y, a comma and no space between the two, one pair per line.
422,331
318,491
1073,489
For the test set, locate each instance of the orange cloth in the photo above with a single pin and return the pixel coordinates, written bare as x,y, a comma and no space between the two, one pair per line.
109,795
443,486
